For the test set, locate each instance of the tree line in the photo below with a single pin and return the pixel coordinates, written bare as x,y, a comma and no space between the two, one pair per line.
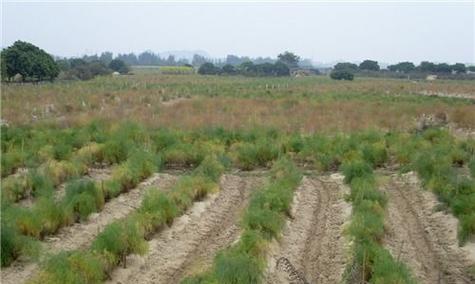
347,70
32,63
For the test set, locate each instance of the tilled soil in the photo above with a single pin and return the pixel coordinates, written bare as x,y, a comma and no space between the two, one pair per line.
312,248
421,237
192,241
81,235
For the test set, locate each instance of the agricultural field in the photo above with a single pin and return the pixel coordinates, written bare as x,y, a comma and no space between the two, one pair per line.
172,177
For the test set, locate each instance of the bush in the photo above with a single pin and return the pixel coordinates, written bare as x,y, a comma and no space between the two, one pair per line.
342,75
356,169
71,267
84,198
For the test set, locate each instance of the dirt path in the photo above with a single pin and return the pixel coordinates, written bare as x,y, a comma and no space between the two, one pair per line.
190,244
424,239
80,235
312,241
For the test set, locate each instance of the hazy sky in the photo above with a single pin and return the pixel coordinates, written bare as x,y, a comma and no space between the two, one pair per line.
324,31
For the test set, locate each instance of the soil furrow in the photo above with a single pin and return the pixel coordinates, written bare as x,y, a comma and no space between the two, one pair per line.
190,244
421,237
312,240
80,235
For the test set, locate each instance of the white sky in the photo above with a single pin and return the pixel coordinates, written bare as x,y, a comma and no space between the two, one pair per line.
385,31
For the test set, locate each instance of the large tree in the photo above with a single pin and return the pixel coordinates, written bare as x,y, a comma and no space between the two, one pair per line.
29,61
289,59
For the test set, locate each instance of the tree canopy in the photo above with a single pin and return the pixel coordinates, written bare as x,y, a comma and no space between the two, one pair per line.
403,67
28,60
288,58
369,65
119,66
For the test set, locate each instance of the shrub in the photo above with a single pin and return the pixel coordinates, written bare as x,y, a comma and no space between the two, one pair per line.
236,267
10,244
342,75
84,198
355,169
71,267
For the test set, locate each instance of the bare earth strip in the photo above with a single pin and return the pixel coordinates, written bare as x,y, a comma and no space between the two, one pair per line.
80,235
190,244
313,240
421,237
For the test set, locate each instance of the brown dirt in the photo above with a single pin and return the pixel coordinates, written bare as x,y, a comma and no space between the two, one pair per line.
81,235
190,244
421,237
313,240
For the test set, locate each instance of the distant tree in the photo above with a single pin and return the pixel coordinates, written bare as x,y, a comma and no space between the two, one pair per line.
129,59
281,69
289,59
404,67
247,67
459,68
198,60
341,75
119,66
208,69
369,65
233,60
346,66
3,66
170,61
229,69
148,58
443,68
471,68
426,66
29,61
106,57
75,62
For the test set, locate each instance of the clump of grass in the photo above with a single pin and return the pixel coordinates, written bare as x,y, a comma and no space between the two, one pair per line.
14,244
249,155
83,198
118,240
71,267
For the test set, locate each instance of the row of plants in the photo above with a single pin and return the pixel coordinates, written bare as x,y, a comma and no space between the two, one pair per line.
42,180
263,221
372,263
82,197
111,144
440,162
28,147
129,235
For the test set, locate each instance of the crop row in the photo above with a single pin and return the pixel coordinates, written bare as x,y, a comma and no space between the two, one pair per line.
20,226
130,235
371,261
29,147
41,181
263,221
